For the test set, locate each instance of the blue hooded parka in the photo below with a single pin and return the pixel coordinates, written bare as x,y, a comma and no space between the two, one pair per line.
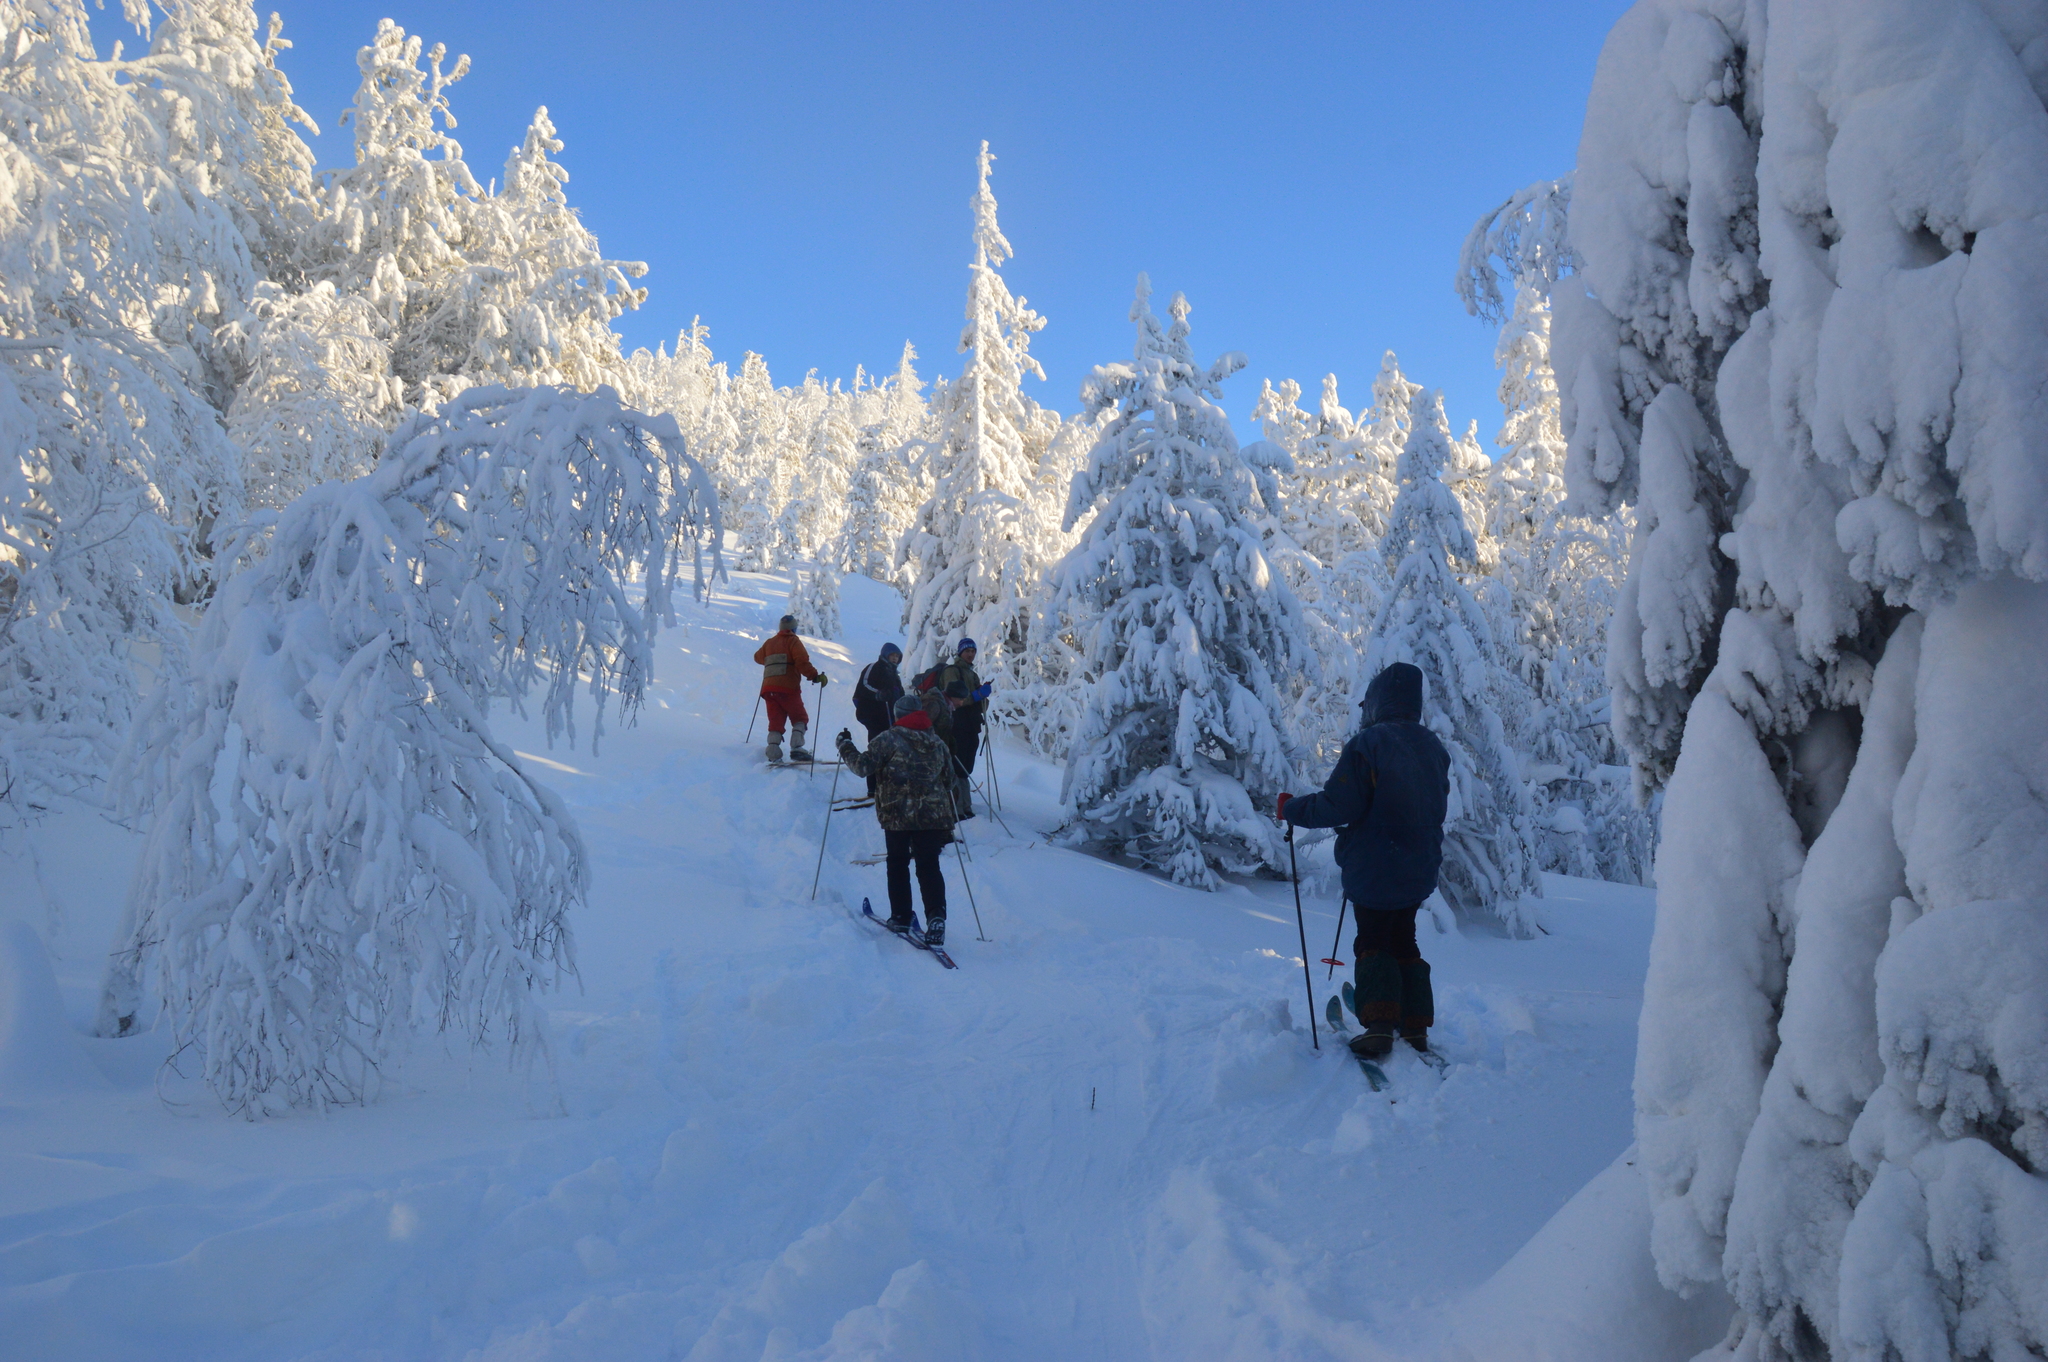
1387,796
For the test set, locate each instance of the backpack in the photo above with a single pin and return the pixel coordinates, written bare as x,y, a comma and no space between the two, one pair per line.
867,706
925,680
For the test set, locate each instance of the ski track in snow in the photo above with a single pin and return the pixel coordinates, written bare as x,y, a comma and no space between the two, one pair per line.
772,1133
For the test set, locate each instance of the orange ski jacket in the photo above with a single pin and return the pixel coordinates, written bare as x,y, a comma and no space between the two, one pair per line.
785,663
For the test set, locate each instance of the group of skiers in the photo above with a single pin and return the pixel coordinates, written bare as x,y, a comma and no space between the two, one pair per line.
1387,797
922,743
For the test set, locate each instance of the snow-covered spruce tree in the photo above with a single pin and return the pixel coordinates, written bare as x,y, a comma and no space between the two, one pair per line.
540,297
883,490
1807,344
975,549
814,599
820,454
1556,576
691,385
1189,641
1559,577
114,268
1432,621
753,481
339,851
1333,514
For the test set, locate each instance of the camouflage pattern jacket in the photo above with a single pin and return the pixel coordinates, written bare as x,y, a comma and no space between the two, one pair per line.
912,770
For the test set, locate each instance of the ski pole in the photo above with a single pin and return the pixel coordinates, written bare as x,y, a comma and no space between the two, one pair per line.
750,722
821,733
825,834
995,787
1301,926
961,767
1331,959
979,934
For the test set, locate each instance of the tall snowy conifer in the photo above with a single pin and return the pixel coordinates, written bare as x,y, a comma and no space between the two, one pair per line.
882,490
975,548
1806,344
1188,639
1557,576
1432,621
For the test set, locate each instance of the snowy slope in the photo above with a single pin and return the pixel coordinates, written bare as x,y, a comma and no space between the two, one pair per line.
772,1132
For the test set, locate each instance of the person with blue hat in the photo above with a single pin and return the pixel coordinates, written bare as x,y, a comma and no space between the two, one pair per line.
875,694
962,685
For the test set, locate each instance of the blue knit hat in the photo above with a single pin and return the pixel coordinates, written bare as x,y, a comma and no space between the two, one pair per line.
966,644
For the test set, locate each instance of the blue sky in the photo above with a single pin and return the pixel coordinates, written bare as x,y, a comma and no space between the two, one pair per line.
798,174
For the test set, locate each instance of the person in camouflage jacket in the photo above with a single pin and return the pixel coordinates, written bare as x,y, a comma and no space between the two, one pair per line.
911,768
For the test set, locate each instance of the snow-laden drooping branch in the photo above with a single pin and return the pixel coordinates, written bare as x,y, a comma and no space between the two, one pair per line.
340,851
1524,239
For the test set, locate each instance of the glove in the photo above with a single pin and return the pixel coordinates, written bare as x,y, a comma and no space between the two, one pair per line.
846,735
1280,808
821,678
982,691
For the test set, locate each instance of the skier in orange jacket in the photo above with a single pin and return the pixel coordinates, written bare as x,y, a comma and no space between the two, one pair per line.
785,665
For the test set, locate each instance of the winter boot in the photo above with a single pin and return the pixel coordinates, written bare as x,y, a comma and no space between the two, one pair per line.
1376,1043
899,925
774,748
797,750
935,931
1417,1036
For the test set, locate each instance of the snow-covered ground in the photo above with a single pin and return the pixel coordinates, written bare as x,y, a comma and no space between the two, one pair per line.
772,1132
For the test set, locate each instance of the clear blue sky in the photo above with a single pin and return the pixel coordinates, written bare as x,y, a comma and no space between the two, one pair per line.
798,174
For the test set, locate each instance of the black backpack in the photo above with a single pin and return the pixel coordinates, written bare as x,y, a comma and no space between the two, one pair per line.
867,706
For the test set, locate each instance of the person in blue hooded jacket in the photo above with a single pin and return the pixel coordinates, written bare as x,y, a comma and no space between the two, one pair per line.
1387,797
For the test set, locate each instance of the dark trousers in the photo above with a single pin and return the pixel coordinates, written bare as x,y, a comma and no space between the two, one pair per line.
1393,979
966,738
922,847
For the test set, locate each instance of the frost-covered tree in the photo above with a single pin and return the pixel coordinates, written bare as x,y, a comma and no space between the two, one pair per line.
691,385
883,489
814,599
1556,576
754,479
543,293
976,548
1333,513
116,265
1431,620
340,852
1188,641
1806,344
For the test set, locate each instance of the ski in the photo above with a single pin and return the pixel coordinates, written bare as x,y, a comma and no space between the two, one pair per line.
915,936
1429,1057
1374,1074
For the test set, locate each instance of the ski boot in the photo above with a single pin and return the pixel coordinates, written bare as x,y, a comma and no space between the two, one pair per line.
775,749
899,925
797,750
935,931
1376,1043
1417,1037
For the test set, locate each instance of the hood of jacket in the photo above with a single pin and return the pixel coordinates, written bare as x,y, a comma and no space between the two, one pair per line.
1396,693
